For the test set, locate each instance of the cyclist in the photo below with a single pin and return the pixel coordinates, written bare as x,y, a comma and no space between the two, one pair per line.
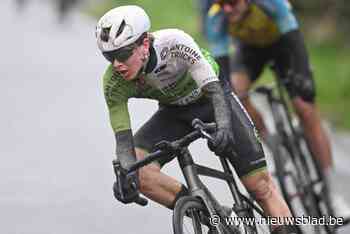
264,31
168,66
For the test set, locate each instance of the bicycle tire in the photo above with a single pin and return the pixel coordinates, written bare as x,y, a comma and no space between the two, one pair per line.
325,207
282,173
287,176
193,207
250,210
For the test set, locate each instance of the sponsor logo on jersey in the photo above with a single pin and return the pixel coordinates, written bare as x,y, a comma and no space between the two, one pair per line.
184,52
164,53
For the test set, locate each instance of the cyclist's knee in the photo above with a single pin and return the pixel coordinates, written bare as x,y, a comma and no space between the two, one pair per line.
240,83
260,185
147,175
303,86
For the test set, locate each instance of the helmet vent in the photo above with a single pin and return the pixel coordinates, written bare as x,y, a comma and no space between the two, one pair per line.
105,34
121,28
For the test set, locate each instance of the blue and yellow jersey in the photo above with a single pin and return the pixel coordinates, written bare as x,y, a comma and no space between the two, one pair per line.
263,24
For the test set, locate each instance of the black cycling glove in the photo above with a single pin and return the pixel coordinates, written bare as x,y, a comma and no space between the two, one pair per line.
126,187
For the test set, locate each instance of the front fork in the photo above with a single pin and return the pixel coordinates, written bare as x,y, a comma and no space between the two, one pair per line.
198,189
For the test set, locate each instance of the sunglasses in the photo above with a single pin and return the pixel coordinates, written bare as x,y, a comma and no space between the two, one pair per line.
121,55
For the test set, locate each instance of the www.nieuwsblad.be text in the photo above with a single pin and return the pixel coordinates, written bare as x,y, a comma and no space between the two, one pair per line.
300,220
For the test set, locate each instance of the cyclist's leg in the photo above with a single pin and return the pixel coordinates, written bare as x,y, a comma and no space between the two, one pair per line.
247,65
294,62
313,130
251,165
154,184
158,186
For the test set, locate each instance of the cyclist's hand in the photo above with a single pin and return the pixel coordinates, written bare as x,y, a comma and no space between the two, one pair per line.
222,142
125,188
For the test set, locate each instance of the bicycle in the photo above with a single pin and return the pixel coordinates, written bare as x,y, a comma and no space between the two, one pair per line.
294,162
200,206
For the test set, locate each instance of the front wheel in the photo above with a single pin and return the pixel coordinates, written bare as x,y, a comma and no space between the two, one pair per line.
191,216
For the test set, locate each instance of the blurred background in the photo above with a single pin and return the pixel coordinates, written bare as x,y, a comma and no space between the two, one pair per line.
325,24
56,143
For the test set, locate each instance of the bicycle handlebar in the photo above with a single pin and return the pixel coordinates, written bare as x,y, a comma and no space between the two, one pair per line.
166,148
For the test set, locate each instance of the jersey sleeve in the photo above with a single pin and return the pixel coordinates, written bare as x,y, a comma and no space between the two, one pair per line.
117,93
199,67
281,12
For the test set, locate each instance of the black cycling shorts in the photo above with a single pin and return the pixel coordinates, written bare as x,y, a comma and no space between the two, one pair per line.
290,59
173,122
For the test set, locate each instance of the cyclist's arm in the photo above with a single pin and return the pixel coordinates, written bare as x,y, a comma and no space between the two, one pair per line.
117,95
204,71
281,12
119,118
117,92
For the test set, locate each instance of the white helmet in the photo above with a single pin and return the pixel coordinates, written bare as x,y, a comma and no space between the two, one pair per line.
120,27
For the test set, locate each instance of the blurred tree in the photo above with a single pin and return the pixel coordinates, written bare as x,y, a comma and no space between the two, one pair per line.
324,18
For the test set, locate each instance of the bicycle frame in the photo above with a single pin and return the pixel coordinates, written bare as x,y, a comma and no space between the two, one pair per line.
192,171
275,104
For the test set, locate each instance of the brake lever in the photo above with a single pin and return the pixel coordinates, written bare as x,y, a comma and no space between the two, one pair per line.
139,200
199,125
206,135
